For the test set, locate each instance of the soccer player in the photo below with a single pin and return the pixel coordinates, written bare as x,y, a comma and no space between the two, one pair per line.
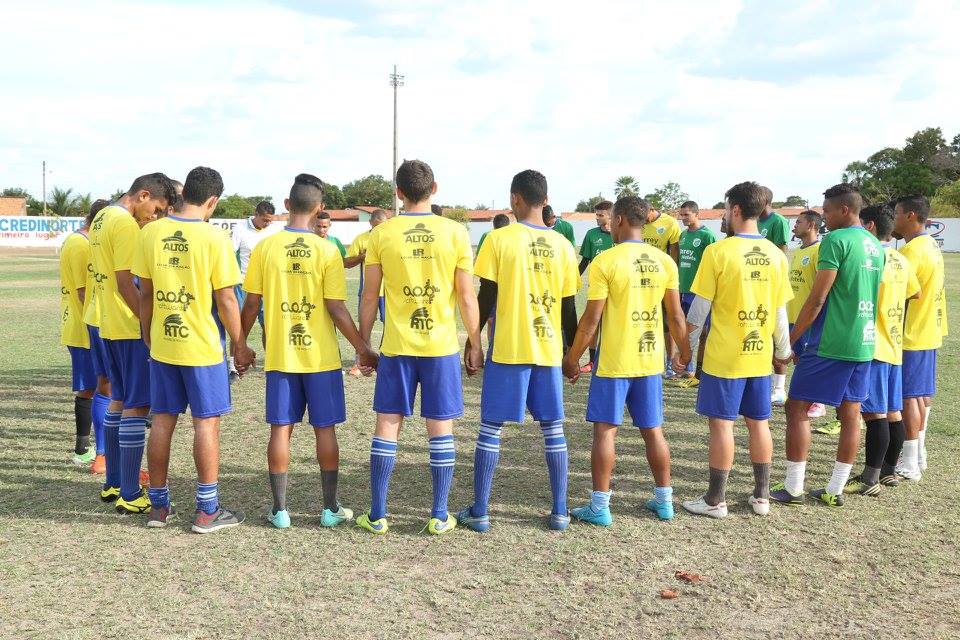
882,407
356,255
595,242
499,221
246,236
322,225
530,274
425,264
834,369
552,221
184,265
742,283
693,241
114,234
925,327
300,280
629,285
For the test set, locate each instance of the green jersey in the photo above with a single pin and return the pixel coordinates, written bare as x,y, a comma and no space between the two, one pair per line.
845,328
340,247
775,228
692,244
565,229
595,242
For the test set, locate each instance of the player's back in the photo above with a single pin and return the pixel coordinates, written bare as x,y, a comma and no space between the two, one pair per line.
926,321
74,268
899,282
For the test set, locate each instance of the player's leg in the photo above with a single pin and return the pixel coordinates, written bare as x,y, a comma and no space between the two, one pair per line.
755,408
605,402
441,401
888,474
327,404
130,376
922,436
545,402
285,406
919,383
84,385
645,402
909,464
877,440
718,399
778,395
168,395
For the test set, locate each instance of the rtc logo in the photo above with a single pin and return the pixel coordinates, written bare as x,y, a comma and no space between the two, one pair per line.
648,342
542,328
298,336
421,321
176,242
418,233
174,328
752,343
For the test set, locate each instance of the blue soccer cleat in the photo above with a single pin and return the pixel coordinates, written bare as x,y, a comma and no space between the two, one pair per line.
602,518
480,524
664,510
280,519
558,522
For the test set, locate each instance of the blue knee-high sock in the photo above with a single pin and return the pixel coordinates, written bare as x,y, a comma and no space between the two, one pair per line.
111,447
133,437
159,497
208,499
383,457
442,458
485,458
98,412
555,450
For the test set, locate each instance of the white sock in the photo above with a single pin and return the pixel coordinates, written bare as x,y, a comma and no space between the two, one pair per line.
793,483
922,447
908,456
779,381
841,473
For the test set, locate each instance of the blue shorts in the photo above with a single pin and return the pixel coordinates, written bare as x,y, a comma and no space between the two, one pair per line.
205,389
289,395
828,381
642,395
241,298
81,366
729,398
885,389
510,389
441,393
919,373
801,344
98,352
128,363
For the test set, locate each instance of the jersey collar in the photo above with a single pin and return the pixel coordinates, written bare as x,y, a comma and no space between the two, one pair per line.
417,213
533,226
178,219
296,230
752,236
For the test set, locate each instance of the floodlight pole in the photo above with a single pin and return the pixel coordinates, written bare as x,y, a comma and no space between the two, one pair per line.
44,187
396,80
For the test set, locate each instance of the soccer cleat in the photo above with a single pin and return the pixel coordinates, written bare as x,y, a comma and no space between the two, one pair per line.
909,474
332,518
890,480
664,510
558,522
144,478
829,429
701,508
161,516
602,518
85,458
858,486
99,465
438,527
778,398
779,493
816,410
219,519
280,519
587,368
379,527
827,498
109,494
480,524
140,504
689,383
760,506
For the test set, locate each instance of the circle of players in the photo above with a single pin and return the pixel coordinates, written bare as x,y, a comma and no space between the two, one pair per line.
151,293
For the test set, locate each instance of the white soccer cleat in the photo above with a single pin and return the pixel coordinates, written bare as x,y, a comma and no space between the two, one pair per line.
778,398
816,410
701,508
760,506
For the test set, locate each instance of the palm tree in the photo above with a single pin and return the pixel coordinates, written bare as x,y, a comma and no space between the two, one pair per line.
625,186
81,204
61,202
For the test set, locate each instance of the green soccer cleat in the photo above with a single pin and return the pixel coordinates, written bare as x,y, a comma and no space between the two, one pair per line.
140,504
856,485
378,527
438,527
109,494
331,519
85,458
828,429
827,498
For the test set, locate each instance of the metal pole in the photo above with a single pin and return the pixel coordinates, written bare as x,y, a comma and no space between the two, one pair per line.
396,80
44,187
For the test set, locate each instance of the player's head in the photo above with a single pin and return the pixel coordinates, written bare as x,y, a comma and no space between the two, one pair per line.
94,210
768,195
436,210
528,192
377,216
149,196
878,220
911,216
176,206
841,206
323,224
745,201
549,217
415,182
500,220
263,214
306,195
602,210
689,213
807,225
203,188
629,212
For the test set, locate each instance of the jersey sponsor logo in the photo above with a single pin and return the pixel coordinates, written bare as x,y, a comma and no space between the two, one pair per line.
64,291
752,316
645,316
805,260
752,342
541,267
304,306
644,264
895,314
174,261
865,309
540,248
869,332
763,232
426,292
896,336
299,337
174,327
756,258
661,230
647,342
98,221
696,242
544,300
298,249
870,248
183,298
176,242
421,321
542,328
418,233
99,277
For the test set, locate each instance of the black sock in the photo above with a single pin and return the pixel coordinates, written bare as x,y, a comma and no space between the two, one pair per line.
329,481
877,442
897,436
84,419
718,487
593,355
278,486
761,480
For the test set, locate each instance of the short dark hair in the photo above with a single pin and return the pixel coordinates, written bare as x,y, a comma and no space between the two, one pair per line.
881,215
845,194
323,215
415,180
812,216
95,209
158,185
548,213
202,183
530,185
915,204
603,205
178,204
633,208
306,194
265,206
435,209
500,220
690,204
750,197
767,194
378,214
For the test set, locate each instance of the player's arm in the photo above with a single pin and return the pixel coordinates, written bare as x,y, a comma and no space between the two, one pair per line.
782,347
584,263
814,303
586,330
486,300
249,313
369,303
568,318
678,328
674,250
81,295
351,261
145,307
128,290
470,314
229,311
366,357
696,319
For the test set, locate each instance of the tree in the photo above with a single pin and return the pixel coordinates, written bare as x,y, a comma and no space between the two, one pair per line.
667,198
116,195
625,186
795,201
481,207
371,191
458,214
82,204
586,206
946,202
15,192
720,205
924,145
237,206
333,197
61,202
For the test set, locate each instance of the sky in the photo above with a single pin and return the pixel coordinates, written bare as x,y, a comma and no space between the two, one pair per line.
706,94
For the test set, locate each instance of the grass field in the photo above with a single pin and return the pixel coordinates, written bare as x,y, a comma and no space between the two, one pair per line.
72,568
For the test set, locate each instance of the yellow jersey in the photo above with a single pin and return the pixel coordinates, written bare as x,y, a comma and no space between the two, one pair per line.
662,232
534,268
187,260
803,271
926,322
746,279
633,278
295,271
113,242
899,283
74,269
419,254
